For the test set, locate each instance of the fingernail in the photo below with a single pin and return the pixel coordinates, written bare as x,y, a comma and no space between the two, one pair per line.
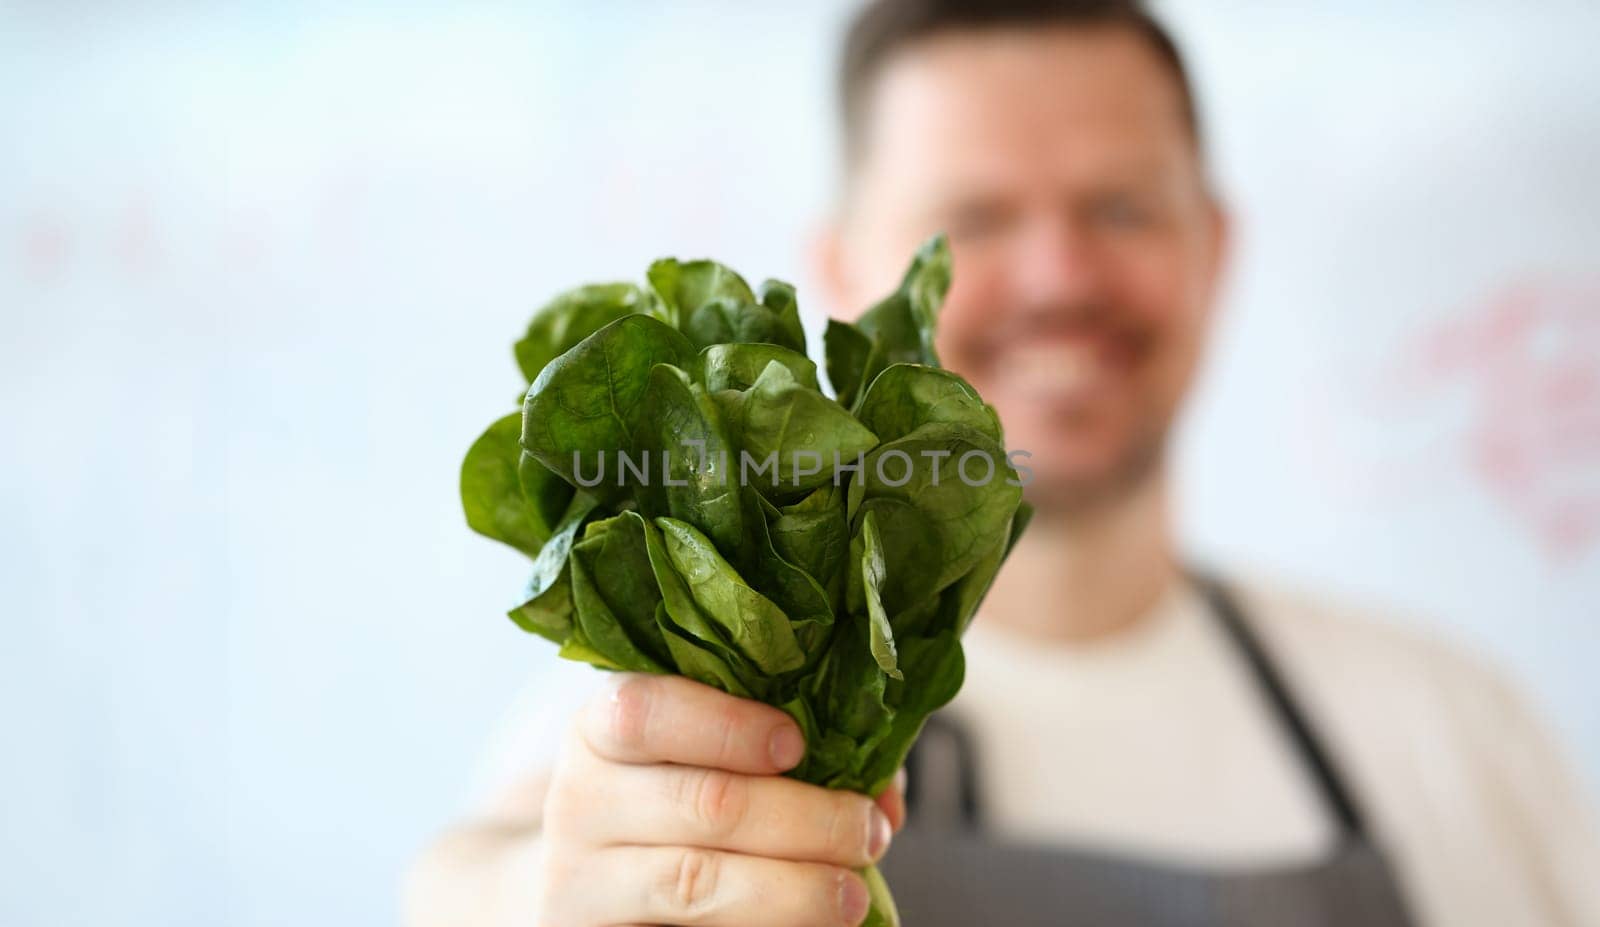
853,900
787,747
878,833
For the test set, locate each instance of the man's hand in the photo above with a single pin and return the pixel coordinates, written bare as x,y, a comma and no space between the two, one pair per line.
667,808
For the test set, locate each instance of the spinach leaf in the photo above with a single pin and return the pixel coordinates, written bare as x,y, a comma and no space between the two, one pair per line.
545,492
780,298
832,577
800,430
902,324
905,397
898,330
583,408
681,436
814,535
681,617
758,629
491,492
605,634
790,587
725,321
736,366
546,607
681,287
571,317
615,567
850,354
880,635
931,470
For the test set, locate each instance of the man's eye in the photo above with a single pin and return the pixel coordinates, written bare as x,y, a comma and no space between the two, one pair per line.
976,222
1121,212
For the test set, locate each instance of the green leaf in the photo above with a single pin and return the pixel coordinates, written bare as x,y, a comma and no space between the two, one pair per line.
704,665
725,320
616,594
685,628
681,287
934,668
780,298
799,429
603,633
584,407
736,366
905,397
1019,524
548,612
814,535
850,354
491,493
899,329
902,324
911,546
846,690
756,627
578,648
546,607
790,587
571,317
546,493
925,470
959,603
691,473
880,635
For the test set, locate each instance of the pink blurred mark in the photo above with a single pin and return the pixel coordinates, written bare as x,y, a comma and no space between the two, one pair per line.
243,240
339,220
136,247
46,248
1529,359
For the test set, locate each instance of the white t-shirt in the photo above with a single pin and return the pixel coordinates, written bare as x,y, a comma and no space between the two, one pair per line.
1158,742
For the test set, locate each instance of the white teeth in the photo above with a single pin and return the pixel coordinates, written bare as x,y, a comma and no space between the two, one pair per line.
1051,371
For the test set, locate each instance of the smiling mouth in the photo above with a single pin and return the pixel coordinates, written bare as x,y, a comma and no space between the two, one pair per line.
1059,371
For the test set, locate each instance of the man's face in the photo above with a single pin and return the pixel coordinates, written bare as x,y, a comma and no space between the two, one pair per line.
1084,241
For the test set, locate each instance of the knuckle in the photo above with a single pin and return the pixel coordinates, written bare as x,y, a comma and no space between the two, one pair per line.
631,704
729,726
563,808
690,886
716,800
847,827
557,871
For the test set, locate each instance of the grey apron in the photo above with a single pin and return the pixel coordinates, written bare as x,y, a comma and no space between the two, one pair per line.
945,872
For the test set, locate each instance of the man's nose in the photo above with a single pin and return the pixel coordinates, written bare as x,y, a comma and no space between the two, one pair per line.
1055,264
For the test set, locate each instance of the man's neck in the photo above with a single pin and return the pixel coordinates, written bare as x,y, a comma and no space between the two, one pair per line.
1084,575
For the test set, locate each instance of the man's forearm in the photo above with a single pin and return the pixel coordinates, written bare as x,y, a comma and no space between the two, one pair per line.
485,872
481,875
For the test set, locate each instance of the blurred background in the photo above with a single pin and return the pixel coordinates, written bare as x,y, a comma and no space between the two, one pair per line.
261,267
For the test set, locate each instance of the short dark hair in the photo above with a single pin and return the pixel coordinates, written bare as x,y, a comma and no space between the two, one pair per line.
883,27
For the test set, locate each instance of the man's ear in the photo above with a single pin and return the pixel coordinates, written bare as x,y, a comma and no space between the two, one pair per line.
1221,244
826,257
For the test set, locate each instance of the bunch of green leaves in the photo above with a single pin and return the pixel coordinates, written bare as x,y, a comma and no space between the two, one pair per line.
837,590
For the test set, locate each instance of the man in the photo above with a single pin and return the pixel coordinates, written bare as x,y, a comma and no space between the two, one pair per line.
1134,743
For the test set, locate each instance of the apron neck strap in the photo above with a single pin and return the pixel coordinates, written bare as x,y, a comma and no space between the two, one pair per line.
944,787
1313,755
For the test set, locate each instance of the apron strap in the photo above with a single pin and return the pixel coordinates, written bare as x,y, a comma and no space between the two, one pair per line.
942,778
943,784
1313,754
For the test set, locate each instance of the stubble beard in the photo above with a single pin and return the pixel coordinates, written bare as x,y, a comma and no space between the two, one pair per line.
1075,498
